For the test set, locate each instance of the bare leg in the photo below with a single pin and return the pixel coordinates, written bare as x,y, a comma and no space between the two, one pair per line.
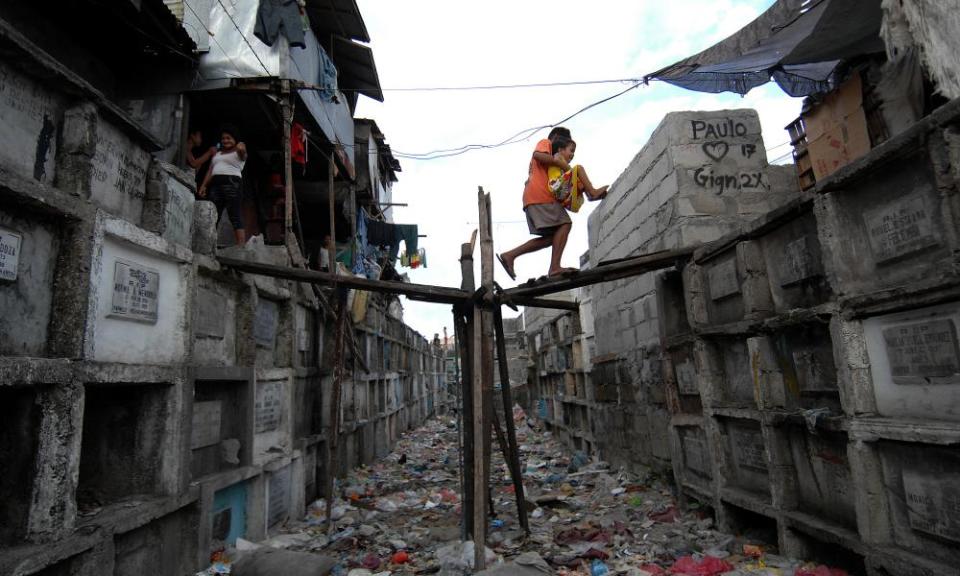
531,245
559,243
588,188
241,235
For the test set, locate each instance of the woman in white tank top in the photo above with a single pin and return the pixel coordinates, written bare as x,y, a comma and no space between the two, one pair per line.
224,180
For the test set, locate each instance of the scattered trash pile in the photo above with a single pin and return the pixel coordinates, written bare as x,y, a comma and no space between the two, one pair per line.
402,516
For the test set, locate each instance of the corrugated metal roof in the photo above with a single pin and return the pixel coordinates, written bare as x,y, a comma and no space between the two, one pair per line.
356,68
337,17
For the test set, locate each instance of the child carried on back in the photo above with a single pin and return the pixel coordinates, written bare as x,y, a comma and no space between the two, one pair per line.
570,186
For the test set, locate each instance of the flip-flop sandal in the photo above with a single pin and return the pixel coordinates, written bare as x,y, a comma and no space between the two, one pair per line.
509,269
563,272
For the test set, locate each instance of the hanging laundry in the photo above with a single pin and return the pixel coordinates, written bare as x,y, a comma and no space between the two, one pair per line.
298,143
280,16
328,77
384,234
360,241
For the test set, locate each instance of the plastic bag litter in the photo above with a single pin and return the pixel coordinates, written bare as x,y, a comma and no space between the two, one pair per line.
457,559
706,566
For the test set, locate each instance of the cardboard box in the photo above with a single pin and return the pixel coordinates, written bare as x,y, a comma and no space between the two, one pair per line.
837,129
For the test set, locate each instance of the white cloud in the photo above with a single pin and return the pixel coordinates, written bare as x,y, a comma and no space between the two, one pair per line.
442,43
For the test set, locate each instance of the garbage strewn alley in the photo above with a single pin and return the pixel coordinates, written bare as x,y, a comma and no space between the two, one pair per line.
401,516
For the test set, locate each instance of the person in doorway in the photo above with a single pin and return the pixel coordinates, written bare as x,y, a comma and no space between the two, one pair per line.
224,180
197,155
546,216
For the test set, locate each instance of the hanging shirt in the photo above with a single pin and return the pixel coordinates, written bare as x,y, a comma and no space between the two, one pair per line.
227,164
537,190
279,16
298,143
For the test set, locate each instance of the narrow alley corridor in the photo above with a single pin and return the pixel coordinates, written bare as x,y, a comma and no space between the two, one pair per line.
401,516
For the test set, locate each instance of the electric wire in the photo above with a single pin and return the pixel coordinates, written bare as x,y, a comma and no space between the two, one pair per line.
242,35
217,42
518,137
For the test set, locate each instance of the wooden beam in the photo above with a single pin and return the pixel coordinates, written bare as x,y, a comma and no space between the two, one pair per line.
623,269
436,294
513,457
572,306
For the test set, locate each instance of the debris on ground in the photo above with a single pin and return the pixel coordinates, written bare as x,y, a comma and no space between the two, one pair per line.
402,516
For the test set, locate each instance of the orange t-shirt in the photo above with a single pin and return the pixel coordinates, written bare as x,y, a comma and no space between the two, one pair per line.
537,191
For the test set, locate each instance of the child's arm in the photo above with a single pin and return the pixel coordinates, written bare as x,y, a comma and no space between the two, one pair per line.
551,160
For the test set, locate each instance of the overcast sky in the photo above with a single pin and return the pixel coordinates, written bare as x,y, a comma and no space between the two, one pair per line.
444,43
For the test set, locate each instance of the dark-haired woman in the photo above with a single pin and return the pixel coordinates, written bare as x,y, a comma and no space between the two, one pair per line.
224,181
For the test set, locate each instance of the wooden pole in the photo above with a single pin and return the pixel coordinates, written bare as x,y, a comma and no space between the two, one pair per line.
286,112
483,382
465,329
458,401
516,471
332,203
334,434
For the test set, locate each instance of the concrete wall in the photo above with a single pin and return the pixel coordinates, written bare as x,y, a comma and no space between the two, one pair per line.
156,405
811,364
699,176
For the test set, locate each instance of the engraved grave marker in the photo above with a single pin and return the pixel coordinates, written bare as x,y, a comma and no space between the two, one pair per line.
9,254
135,292
723,280
923,352
901,228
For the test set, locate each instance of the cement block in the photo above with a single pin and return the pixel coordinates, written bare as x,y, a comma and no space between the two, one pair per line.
222,420
53,505
31,115
168,204
915,363
746,462
214,323
726,372
854,378
887,230
139,309
204,228
691,127
921,485
166,547
119,173
272,414
29,249
696,461
822,479
130,443
737,285
804,356
794,265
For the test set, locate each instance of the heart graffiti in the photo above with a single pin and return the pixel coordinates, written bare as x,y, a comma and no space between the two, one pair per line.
716,150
